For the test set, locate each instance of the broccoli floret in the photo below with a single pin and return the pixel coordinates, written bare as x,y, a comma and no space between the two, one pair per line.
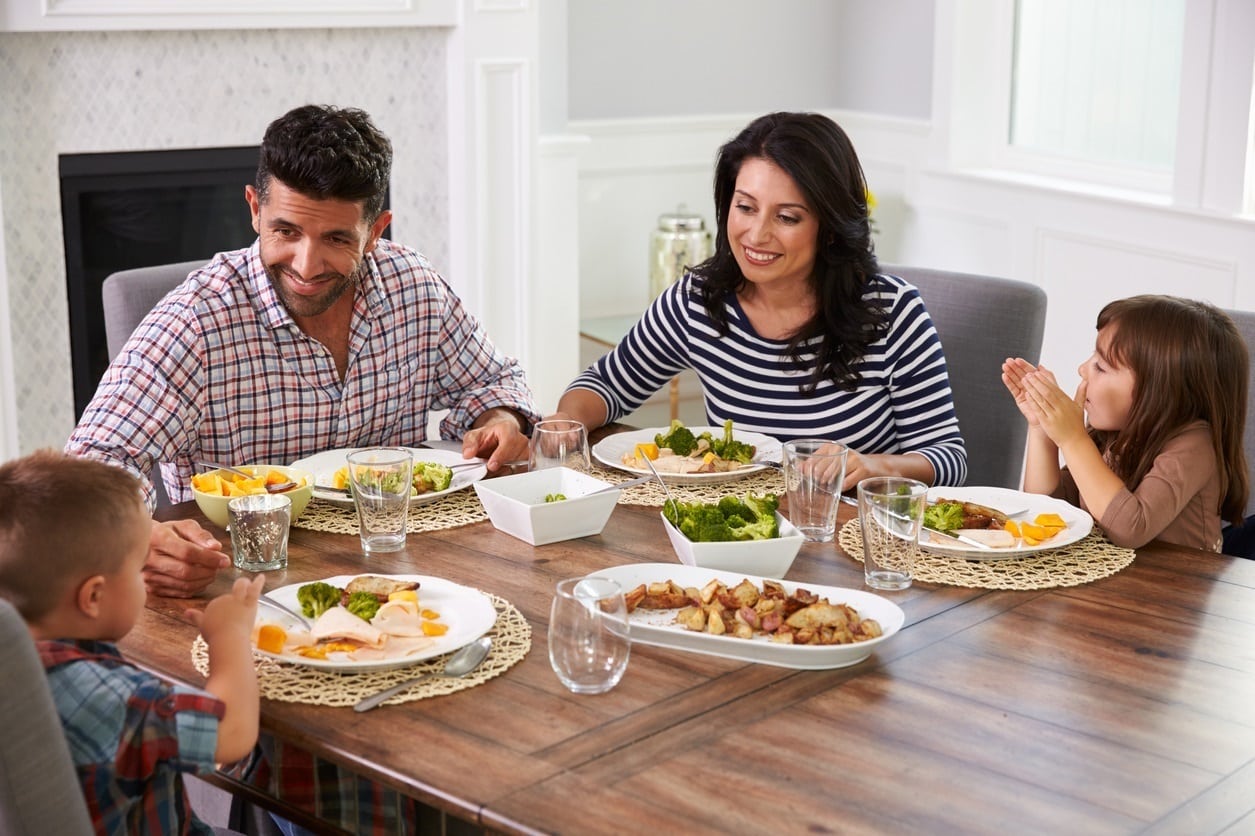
317,598
429,476
732,518
679,439
764,506
944,516
364,605
731,449
732,506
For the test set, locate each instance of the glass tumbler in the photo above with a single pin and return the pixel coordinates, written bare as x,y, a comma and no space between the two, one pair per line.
589,639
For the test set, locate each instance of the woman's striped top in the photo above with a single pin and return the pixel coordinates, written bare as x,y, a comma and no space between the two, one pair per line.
901,404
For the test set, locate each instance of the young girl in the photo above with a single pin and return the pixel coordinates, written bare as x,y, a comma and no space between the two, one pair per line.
1165,397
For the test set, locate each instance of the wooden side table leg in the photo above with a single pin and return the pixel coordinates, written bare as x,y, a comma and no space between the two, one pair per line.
675,398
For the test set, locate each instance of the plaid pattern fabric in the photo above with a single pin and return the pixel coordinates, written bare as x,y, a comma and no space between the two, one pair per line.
131,736
333,794
219,371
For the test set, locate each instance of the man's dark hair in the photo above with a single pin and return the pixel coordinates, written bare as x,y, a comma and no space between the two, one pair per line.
325,152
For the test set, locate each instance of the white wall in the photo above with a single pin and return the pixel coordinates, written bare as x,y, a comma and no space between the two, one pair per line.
647,154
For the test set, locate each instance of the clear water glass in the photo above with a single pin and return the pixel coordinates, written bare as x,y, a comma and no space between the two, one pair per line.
589,639
382,478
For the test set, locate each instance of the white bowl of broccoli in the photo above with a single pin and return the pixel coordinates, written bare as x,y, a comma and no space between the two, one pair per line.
547,506
737,534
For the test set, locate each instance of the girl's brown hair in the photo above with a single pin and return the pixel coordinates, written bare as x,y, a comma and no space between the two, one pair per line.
62,520
1190,364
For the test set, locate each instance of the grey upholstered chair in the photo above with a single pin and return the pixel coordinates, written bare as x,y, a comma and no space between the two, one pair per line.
39,788
128,296
1241,541
981,321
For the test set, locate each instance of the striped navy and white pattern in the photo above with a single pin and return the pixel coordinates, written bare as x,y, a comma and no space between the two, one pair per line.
902,402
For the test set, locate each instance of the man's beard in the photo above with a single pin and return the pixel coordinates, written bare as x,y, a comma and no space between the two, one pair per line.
300,306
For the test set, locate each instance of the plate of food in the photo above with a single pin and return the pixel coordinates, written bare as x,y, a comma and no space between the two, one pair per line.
1010,523
371,622
331,473
709,611
696,458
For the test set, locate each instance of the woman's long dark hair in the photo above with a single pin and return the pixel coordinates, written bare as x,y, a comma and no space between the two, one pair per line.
1189,363
816,153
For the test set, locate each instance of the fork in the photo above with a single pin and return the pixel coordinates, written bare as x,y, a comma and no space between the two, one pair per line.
674,505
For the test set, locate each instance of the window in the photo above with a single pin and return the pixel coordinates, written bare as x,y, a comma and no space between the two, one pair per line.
1145,99
1098,81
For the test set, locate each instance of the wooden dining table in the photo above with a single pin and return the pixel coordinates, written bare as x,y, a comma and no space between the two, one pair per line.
1125,705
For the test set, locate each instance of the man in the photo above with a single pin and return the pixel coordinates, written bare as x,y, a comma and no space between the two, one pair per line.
321,335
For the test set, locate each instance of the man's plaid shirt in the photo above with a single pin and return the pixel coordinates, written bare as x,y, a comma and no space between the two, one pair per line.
219,371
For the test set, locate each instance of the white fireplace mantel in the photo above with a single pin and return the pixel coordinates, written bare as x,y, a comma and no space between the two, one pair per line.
140,15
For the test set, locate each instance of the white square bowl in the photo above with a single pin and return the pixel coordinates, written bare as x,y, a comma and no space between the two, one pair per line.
516,504
765,558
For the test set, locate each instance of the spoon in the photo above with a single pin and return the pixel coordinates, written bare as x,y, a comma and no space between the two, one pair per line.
675,507
266,599
459,664
277,487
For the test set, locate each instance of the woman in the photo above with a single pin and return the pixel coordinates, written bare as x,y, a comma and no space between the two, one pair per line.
789,326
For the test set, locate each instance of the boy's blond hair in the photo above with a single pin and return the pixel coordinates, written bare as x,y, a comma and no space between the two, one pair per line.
62,520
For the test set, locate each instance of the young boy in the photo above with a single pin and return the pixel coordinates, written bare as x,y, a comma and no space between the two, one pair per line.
73,539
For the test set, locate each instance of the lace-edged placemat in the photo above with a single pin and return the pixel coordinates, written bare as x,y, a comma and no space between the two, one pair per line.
511,640
460,508
651,493
464,508
1090,559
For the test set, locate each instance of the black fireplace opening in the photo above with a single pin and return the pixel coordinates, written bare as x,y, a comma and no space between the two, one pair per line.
138,209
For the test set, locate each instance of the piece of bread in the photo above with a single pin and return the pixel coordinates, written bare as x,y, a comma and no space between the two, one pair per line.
998,538
378,586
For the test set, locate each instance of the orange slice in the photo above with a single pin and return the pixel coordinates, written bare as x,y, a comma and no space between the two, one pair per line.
432,628
271,638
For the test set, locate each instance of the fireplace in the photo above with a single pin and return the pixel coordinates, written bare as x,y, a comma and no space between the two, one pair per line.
137,209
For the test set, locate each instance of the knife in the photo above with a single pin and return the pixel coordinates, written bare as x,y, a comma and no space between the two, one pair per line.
977,544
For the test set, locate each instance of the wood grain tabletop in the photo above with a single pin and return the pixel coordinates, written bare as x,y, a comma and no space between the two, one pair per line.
1119,706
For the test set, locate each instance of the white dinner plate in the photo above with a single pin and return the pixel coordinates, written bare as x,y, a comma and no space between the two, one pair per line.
1020,506
325,465
468,613
611,449
658,627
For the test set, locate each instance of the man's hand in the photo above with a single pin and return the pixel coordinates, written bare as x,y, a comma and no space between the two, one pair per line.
497,437
183,559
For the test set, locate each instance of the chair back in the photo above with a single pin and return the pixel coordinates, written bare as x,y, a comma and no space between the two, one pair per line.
982,320
39,787
1245,320
129,295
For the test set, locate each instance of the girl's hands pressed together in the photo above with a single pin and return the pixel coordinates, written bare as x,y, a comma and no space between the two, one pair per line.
1061,416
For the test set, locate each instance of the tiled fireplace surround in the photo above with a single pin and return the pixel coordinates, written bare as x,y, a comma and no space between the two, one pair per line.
83,92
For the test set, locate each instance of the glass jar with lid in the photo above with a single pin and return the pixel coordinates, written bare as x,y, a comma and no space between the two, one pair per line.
680,241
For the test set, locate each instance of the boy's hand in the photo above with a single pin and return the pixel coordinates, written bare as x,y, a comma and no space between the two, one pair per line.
234,611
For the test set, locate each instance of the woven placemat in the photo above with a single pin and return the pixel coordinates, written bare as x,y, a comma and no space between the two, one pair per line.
460,508
651,493
511,640
1092,558
464,507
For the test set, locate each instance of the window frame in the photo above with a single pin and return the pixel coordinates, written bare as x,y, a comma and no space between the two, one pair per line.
1214,164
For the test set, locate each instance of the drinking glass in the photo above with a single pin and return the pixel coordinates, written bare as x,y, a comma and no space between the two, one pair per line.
559,443
814,470
589,641
382,478
890,514
259,526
